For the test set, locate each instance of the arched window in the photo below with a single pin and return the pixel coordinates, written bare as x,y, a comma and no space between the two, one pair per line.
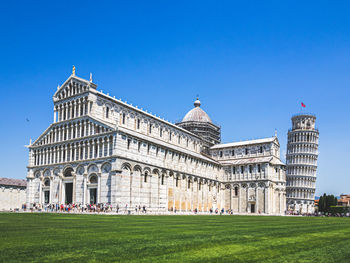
145,178
68,172
236,191
107,112
138,123
123,118
162,181
47,182
129,141
93,179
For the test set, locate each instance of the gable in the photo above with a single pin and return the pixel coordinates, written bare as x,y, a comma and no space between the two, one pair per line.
50,135
73,86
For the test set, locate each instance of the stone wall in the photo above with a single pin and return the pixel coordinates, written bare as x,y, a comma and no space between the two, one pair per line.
11,198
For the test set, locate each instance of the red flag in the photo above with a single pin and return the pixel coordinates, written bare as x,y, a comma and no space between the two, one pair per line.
303,105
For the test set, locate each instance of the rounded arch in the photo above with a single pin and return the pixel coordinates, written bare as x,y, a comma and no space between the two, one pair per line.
47,182
106,167
47,172
37,174
261,184
156,172
56,171
137,168
92,168
93,179
67,172
147,170
80,170
126,166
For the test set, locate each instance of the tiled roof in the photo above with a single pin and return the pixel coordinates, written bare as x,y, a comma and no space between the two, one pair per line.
13,182
233,144
197,115
242,161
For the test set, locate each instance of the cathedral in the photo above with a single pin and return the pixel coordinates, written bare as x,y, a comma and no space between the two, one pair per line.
102,150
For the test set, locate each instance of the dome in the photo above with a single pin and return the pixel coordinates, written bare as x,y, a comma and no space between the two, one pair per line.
197,114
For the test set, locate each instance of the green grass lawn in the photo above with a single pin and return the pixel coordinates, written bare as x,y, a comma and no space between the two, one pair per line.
72,238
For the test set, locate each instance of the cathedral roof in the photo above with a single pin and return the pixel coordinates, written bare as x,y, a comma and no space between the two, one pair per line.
267,159
244,143
197,114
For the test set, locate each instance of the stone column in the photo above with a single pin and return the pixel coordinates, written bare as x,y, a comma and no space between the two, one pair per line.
180,193
80,129
247,200
77,108
280,202
88,146
266,190
83,149
150,190
54,114
257,199
239,198
93,149
174,192
113,188
51,190
60,189
74,187
98,188
130,191
85,188
40,190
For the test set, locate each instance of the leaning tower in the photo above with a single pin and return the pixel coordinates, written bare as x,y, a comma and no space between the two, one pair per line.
301,160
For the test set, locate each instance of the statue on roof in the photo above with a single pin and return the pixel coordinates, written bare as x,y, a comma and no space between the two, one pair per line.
73,70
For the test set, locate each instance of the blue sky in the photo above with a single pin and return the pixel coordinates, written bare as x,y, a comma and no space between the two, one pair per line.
251,63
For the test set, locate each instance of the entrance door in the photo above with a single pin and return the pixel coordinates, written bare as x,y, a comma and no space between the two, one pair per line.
93,196
69,193
47,197
252,208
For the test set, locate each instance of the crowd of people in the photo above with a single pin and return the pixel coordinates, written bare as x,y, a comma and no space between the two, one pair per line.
138,209
87,208
296,213
106,208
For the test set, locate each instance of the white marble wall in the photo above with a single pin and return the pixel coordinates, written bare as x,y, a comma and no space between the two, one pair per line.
11,198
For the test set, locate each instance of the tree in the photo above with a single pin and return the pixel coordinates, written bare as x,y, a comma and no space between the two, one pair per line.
326,201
